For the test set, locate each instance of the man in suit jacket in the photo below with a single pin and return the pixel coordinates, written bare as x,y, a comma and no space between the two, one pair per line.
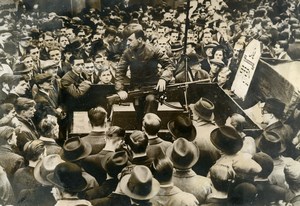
157,147
47,101
25,109
63,67
9,160
98,119
73,84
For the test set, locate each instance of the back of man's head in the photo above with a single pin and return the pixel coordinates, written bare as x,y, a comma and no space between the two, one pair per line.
97,116
162,170
151,123
115,133
137,141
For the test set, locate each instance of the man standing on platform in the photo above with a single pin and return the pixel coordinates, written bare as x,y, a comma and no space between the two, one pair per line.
143,60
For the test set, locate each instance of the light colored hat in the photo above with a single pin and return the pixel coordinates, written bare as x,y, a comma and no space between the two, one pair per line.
45,167
140,184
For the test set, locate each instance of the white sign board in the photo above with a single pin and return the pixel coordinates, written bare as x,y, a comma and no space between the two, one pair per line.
246,69
9,5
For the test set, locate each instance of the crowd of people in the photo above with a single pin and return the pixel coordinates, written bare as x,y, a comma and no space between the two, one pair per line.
49,61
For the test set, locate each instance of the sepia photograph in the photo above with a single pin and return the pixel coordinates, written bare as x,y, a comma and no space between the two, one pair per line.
149,102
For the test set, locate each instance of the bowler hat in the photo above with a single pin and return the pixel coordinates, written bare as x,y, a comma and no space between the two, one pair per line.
226,139
140,184
20,68
183,154
182,126
114,163
217,62
68,176
204,109
271,143
41,78
176,46
45,167
274,106
75,149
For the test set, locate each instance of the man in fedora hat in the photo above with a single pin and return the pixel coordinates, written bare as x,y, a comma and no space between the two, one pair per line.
271,144
68,181
182,126
203,120
272,113
184,155
139,186
75,150
169,194
238,122
157,147
229,142
136,187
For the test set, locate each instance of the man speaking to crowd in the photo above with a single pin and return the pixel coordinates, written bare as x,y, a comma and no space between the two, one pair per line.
143,60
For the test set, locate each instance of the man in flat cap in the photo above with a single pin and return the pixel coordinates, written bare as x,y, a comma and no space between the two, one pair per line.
47,101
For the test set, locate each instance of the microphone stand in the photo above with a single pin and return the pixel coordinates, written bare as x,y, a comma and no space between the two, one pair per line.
187,24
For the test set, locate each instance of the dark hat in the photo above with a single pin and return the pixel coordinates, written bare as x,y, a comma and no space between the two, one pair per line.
243,193
204,109
274,106
271,143
46,166
20,68
41,78
75,149
140,184
183,153
226,139
182,126
193,59
266,163
217,62
176,46
212,44
72,47
114,163
68,176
